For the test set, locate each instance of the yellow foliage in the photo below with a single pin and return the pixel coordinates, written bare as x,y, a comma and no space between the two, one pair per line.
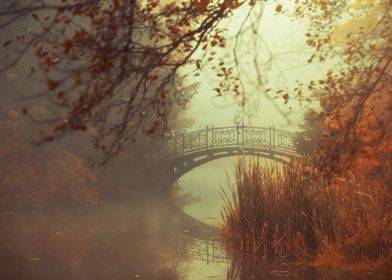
361,20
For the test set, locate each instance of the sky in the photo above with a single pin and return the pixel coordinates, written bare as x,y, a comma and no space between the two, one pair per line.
284,42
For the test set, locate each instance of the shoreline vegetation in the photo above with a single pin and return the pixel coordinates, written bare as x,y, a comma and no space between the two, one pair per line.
295,214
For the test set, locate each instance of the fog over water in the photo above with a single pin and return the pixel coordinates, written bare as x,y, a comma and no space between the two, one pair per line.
63,218
140,239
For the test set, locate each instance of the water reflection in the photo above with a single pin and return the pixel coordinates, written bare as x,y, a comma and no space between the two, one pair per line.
204,184
208,251
250,267
134,240
112,242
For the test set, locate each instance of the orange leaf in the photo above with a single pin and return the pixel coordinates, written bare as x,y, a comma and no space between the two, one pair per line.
49,138
68,44
52,85
59,128
286,98
79,35
60,95
202,5
152,78
116,4
35,17
7,43
232,4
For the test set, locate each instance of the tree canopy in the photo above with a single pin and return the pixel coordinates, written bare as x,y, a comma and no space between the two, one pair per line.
356,94
111,66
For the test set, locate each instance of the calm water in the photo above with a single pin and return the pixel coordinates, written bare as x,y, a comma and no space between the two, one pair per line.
141,239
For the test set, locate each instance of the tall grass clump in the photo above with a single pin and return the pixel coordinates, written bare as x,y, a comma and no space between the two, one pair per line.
294,213
364,239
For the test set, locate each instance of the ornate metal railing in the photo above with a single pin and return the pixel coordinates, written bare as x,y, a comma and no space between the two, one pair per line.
269,138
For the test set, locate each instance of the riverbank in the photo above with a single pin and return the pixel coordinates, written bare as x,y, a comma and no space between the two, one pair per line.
336,260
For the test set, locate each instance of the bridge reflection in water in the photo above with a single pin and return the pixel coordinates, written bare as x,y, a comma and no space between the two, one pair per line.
208,250
191,149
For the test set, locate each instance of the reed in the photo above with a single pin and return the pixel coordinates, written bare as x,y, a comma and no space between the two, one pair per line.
294,213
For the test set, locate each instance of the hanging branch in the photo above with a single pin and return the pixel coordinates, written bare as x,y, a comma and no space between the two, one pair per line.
110,66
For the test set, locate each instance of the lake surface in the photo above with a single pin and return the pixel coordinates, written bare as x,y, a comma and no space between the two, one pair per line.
146,238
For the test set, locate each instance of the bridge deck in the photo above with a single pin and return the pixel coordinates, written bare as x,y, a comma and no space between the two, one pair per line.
191,149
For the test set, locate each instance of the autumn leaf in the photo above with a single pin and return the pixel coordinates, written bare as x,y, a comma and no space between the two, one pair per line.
60,95
323,6
152,78
202,5
59,128
79,35
286,98
35,17
7,43
106,66
52,85
49,138
198,64
116,4
232,4
68,44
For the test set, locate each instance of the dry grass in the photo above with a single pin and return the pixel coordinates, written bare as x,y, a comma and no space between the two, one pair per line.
297,214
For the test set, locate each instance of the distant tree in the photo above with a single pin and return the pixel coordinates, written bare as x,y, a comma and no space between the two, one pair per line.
311,135
43,179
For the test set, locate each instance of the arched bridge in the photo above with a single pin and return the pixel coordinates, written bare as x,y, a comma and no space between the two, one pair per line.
191,149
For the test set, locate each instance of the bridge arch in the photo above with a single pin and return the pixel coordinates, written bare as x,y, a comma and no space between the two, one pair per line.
191,149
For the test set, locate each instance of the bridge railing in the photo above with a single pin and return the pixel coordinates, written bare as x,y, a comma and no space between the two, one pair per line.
269,138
